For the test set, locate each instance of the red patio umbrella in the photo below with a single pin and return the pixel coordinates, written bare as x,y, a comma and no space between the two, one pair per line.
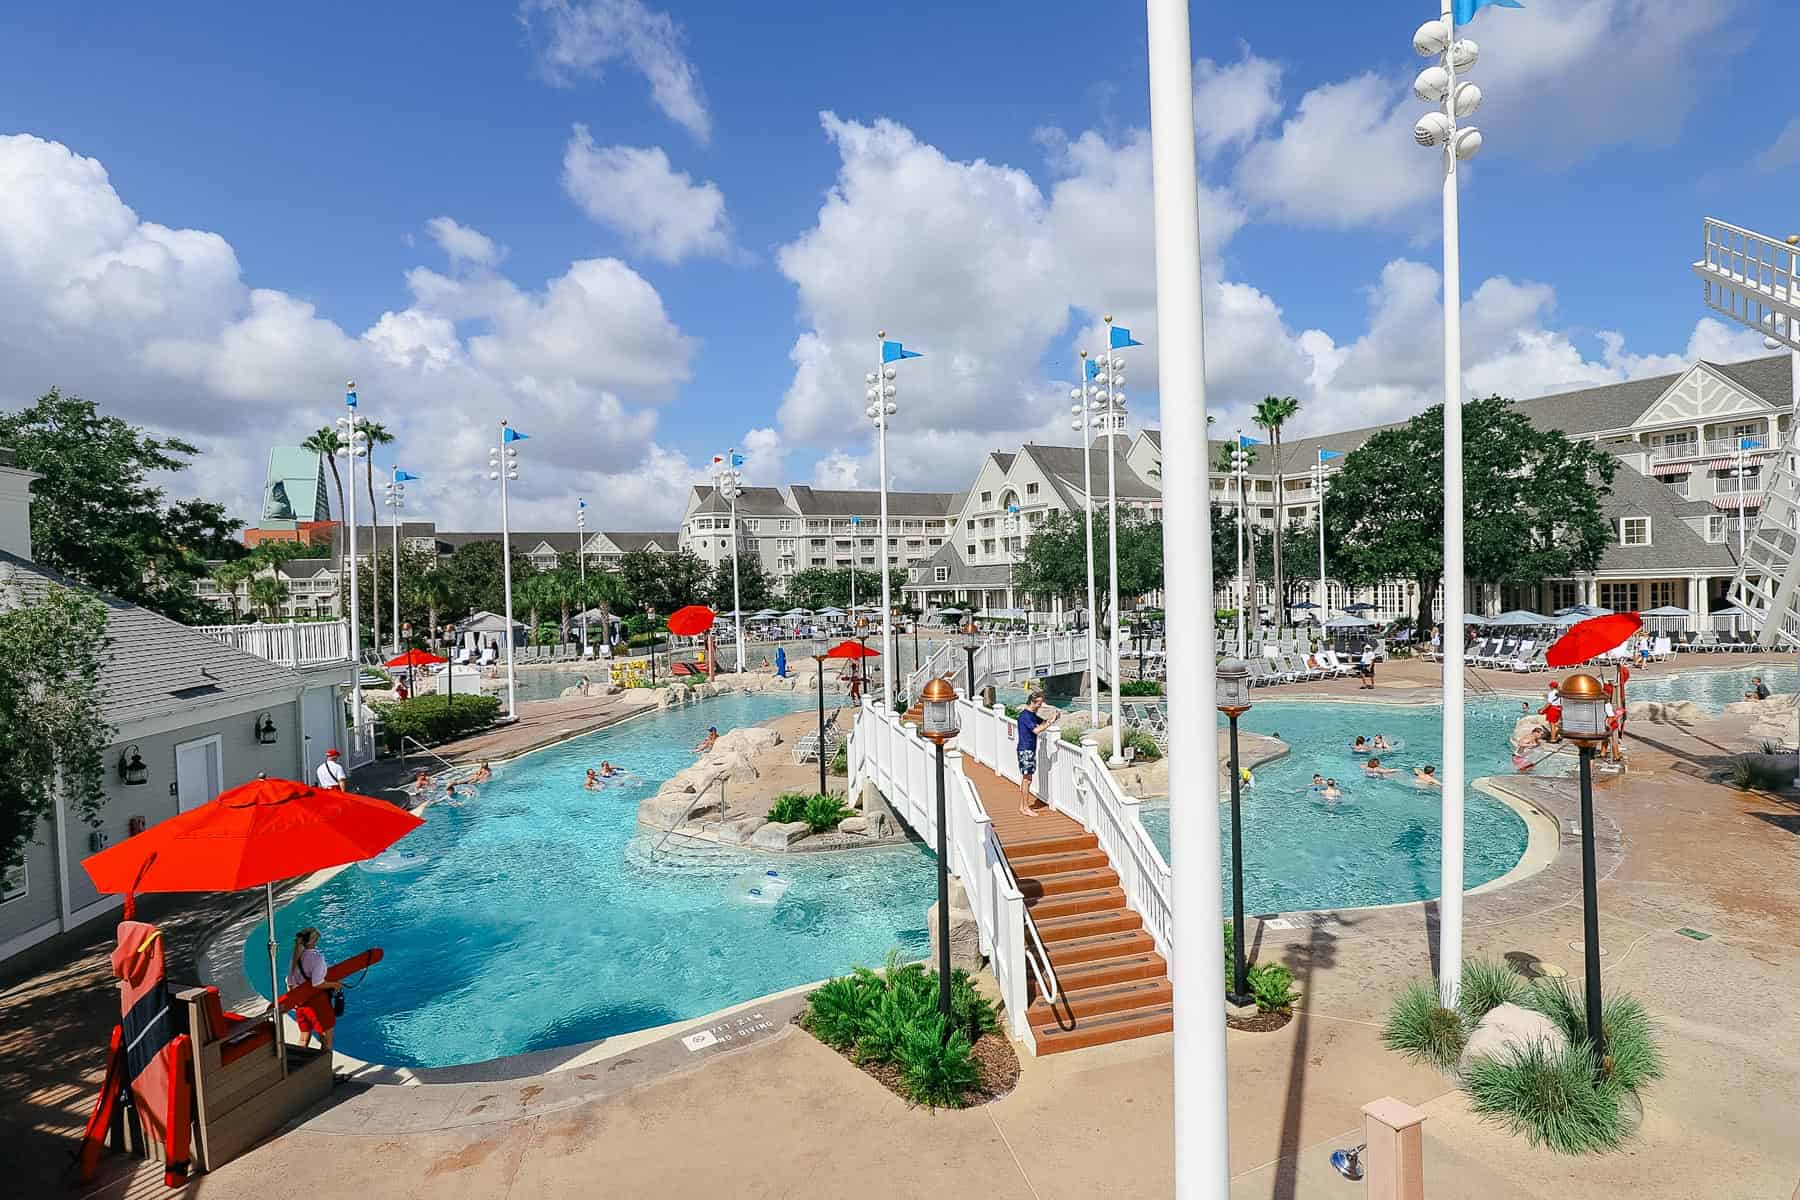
1592,638
850,650
252,835
691,621
415,658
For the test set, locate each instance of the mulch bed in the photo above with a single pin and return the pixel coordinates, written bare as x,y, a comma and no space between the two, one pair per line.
1262,1022
993,1054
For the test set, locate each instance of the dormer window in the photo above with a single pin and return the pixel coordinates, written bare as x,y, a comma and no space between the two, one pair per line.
1634,531
940,575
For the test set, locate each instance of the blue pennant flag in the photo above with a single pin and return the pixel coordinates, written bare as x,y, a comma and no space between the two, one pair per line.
737,460
1121,337
513,435
350,397
580,503
1466,9
1244,443
1325,454
1748,444
894,352
404,477
1093,369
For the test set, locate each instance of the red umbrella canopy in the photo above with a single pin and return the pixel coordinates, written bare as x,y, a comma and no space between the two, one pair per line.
266,830
850,650
415,658
1592,638
691,621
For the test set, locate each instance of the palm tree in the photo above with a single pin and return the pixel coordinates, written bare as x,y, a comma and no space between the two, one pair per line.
378,435
1225,467
431,588
325,443
605,591
1272,414
228,575
269,593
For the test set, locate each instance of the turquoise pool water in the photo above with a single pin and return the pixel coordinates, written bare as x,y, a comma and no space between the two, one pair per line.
1378,844
532,915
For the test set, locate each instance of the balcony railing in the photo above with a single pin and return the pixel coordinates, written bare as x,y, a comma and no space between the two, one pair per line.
1710,448
300,644
1732,485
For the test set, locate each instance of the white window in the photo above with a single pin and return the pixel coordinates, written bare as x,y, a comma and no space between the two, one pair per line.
1751,430
1715,528
940,575
14,883
1031,489
787,526
1634,531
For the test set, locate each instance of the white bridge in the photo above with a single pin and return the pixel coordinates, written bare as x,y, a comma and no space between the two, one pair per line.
1009,661
1074,907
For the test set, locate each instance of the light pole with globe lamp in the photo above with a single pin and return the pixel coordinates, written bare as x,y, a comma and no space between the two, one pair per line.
937,702
1084,423
1584,723
1234,702
1108,392
883,387
581,564
1438,129
1240,474
730,483
395,500
503,465
971,640
354,444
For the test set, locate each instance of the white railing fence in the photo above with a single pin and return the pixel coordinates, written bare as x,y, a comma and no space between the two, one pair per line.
902,765
1009,659
293,644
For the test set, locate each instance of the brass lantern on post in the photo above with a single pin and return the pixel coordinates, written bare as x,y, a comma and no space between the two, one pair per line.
1583,702
938,702
1234,701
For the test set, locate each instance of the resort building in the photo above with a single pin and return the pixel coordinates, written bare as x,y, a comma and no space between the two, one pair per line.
816,528
296,506
545,550
312,590
191,715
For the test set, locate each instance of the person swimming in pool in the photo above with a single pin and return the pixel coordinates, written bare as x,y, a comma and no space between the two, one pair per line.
607,770
1360,745
482,774
1374,770
1318,781
706,743
1381,743
593,783
1426,776
1331,791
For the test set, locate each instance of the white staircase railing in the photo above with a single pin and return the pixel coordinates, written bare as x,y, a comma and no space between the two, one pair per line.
1073,780
1009,659
292,644
892,756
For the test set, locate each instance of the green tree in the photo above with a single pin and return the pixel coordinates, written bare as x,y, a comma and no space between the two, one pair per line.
664,582
269,592
1237,502
204,528
603,590
228,575
324,442
1299,544
96,518
1273,413
378,435
754,587
414,607
1531,504
474,576
1055,560
825,587
52,726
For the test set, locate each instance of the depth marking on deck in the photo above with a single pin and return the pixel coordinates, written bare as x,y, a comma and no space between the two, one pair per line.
1279,923
732,1029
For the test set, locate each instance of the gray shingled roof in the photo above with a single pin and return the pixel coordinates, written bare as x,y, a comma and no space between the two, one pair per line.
1769,378
1674,546
151,658
962,575
819,502
1063,464
752,502
631,542
304,568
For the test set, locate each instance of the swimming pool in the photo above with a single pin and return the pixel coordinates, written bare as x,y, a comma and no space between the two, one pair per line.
1379,844
533,915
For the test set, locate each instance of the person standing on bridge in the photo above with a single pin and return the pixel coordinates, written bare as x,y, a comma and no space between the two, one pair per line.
1031,723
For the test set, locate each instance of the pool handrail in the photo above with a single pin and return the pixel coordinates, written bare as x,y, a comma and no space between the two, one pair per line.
682,819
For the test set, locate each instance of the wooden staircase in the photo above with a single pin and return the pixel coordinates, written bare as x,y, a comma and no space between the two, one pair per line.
1112,984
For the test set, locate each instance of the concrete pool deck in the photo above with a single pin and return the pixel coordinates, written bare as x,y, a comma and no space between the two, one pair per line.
779,1115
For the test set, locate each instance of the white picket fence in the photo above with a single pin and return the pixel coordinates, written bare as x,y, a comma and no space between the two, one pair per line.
292,644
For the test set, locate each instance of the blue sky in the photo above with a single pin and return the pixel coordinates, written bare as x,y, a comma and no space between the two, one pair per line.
651,243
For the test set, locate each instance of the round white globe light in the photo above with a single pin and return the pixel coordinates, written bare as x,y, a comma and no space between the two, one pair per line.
869,378
1464,54
892,408
871,412
889,390
1431,38
1468,99
1074,393
890,373
1468,142
1075,409
871,395
1433,128
493,474
1431,85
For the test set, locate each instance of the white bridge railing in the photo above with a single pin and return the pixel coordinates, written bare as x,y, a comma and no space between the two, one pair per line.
294,644
1012,658
900,763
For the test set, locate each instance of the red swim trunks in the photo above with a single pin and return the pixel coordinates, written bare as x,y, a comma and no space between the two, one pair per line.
315,1016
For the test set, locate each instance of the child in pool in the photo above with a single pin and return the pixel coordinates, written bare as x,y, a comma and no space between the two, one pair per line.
593,780
1318,781
1426,776
1331,790
1360,745
1381,743
607,770
1374,770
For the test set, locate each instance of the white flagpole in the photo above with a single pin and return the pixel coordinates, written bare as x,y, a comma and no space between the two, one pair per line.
1087,468
1113,420
887,616
505,459
349,450
1324,608
1202,1141
394,525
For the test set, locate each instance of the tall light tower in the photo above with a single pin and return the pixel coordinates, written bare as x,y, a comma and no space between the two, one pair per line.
503,464
395,501
354,444
1108,392
729,481
1085,424
883,387
1438,130
581,564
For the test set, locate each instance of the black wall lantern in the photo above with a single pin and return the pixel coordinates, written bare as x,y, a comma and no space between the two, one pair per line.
131,767
265,730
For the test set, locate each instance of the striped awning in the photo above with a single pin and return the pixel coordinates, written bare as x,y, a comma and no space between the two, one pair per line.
1672,468
1738,500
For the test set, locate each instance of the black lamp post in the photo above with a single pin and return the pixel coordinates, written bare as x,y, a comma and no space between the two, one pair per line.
969,643
450,669
820,659
937,703
1584,723
651,613
862,639
1234,702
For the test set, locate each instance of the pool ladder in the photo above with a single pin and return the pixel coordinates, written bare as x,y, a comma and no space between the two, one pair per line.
698,796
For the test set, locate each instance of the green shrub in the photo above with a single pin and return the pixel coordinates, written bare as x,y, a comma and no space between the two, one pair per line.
1422,1029
840,1006
1143,746
1141,687
1273,987
789,807
1485,987
879,1037
823,812
972,1012
1073,736
1633,1058
1012,711
936,1072
1748,774
840,762
435,719
1549,1096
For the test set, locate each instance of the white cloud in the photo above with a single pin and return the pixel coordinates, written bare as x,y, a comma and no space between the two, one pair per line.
1345,157
840,470
765,457
635,191
158,326
580,37
463,244
1784,151
1232,103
